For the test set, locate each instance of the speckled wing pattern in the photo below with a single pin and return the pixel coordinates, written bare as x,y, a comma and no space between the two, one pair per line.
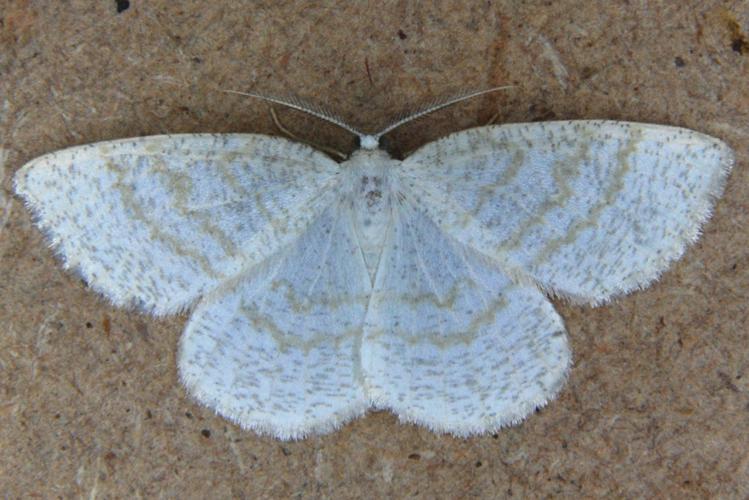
451,341
158,221
585,209
277,350
297,328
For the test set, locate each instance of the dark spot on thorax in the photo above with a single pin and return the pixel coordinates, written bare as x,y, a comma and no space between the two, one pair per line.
371,187
373,197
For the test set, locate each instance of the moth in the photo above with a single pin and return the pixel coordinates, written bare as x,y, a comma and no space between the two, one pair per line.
320,289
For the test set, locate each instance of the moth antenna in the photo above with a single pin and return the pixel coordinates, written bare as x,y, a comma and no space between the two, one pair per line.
436,105
282,128
311,109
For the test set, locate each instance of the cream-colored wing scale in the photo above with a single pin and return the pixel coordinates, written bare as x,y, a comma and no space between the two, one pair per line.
416,286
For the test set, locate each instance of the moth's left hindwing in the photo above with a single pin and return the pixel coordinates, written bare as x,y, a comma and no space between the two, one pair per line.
277,350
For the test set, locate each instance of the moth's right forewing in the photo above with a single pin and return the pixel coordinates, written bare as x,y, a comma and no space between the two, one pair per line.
587,209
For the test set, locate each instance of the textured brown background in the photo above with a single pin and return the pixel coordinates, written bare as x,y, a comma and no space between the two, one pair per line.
90,404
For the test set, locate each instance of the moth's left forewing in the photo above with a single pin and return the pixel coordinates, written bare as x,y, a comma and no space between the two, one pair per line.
587,209
157,221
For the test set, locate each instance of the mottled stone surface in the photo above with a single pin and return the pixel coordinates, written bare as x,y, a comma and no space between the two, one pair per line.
658,398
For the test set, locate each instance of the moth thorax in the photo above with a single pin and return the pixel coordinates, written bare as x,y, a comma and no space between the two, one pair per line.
371,197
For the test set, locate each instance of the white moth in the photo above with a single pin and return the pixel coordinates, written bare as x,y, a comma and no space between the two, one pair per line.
322,289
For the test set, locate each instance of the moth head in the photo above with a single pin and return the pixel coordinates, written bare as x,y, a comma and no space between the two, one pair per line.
369,141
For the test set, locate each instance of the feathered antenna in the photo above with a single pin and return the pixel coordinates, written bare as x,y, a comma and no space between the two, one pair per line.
367,141
436,105
302,105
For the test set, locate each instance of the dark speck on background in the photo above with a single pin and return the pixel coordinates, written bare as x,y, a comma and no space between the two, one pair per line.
679,62
739,41
122,5
740,45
